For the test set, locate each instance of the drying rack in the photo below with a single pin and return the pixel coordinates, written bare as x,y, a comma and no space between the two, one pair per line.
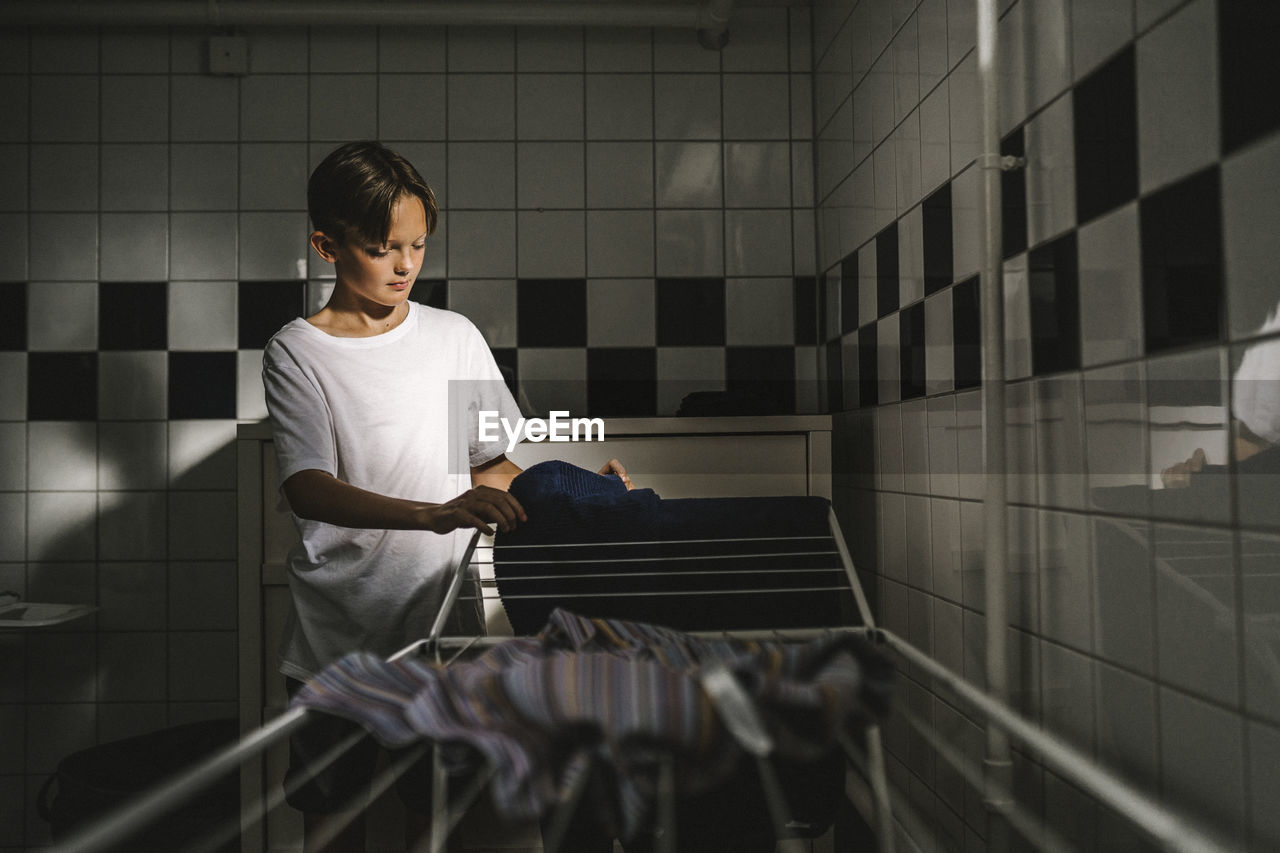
886,811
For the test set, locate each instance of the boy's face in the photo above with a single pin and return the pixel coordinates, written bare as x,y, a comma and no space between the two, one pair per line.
383,274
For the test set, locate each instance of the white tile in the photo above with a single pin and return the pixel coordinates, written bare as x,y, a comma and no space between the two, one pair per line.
68,323
686,106
202,666
204,108
689,174
905,52
1020,442
202,596
131,667
135,177
134,247
619,49
132,455
63,456
861,213
1067,683
55,731
131,525
1050,172
1015,68
482,244
1202,762
13,456
1148,12
684,370
16,50
430,159
15,90
405,50
1264,784
915,447
204,177
482,175
1066,587
204,246
1127,725
273,107
71,50
15,177
757,242
347,49
620,243
757,174
550,174
758,41
804,242
965,108
939,348
1115,431
756,106
835,149
481,49
549,106
969,448
944,518
892,511
1251,212
554,379
966,217
1017,318
919,547
13,514
549,49
1177,83
202,454
13,246
911,257
202,315
275,50
552,244
935,139
411,106
690,242
60,525
802,174
1049,61
251,399
879,83
619,106
802,126
1260,595
55,672
490,108
868,284
1111,326
358,119
759,311
620,313
944,463
906,143
1099,28
1060,453
619,174
888,438
51,229
133,385
1186,412
1023,569
833,76
64,177
272,246
64,108
202,525
678,50
13,378
884,161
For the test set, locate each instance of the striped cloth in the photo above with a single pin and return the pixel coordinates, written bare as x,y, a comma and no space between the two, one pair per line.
627,692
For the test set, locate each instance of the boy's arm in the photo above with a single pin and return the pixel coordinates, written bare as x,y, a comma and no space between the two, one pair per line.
320,496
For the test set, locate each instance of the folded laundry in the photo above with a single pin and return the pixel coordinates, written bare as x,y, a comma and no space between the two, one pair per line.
626,693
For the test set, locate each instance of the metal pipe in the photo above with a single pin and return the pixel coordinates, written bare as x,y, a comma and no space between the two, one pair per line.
711,16
998,762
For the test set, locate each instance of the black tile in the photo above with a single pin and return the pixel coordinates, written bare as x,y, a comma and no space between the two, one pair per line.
202,385
911,350
868,366
690,312
431,291
1105,112
265,307
13,319
886,271
767,375
966,333
551,312
849,293
825,281
936,217
805,303
508,361
62,386
1182,282
133,315
1013,196
1054,283
835,374
622,382
1249,70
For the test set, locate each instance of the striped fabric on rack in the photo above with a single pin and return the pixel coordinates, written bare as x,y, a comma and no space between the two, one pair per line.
626,692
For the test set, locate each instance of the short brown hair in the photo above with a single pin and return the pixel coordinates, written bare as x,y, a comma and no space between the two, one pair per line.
356,187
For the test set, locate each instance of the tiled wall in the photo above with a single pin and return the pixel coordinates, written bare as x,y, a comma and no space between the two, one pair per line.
618,203
1140,255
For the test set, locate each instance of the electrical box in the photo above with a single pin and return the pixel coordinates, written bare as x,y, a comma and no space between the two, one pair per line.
228,55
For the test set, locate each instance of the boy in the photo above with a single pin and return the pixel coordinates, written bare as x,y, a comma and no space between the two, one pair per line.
362,396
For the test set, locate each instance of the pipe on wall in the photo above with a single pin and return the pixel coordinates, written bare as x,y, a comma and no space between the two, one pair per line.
709,17
998,764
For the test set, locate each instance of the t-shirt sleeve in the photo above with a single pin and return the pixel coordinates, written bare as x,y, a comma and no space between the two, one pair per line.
487,393
301,425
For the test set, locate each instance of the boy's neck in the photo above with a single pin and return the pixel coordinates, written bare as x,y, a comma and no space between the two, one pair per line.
358,322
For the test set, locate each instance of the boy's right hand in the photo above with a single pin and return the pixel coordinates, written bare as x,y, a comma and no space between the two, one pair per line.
477,508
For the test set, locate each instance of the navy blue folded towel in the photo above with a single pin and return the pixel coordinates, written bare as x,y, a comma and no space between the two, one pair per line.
593,546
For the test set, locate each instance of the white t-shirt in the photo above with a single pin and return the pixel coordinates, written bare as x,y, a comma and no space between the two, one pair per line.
396,414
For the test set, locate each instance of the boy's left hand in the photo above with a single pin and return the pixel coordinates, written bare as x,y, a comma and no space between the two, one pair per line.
613,466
